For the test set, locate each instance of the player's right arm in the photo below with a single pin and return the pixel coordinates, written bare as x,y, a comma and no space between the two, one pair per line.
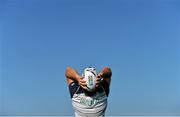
73,76
104,79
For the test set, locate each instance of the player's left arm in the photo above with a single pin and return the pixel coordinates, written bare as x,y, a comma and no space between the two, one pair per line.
105,75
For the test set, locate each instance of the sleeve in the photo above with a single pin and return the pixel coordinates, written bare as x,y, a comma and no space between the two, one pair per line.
73,87
105,86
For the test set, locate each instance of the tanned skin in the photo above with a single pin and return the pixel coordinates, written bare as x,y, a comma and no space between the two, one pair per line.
72,76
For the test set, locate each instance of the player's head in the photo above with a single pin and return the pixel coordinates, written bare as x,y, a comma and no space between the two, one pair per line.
90,69
89,75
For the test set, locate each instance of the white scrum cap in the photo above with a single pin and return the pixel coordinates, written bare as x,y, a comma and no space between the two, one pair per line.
90,75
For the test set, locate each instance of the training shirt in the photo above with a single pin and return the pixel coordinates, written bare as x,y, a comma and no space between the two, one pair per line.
88,104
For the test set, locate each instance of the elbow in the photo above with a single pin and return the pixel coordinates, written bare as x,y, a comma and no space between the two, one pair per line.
108,69
108,72
68,68
67,71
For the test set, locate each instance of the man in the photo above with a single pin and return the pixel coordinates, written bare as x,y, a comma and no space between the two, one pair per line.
85,103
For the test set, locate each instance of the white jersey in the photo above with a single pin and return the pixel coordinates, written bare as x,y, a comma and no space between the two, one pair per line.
88,105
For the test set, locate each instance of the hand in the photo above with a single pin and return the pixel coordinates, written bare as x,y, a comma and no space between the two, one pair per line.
82,83
98,79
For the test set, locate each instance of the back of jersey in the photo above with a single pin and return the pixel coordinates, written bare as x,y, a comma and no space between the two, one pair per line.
89,106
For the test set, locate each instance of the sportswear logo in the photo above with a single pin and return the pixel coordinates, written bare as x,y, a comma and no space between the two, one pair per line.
90,80
88,101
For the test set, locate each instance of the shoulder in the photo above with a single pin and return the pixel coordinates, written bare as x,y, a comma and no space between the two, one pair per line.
74,88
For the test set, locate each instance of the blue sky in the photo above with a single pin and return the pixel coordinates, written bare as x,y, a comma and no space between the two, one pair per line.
138,39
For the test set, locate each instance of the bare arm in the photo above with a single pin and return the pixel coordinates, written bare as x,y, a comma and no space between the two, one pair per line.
106,74
73,76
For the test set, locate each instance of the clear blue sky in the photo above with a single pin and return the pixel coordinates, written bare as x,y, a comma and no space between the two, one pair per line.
138,39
